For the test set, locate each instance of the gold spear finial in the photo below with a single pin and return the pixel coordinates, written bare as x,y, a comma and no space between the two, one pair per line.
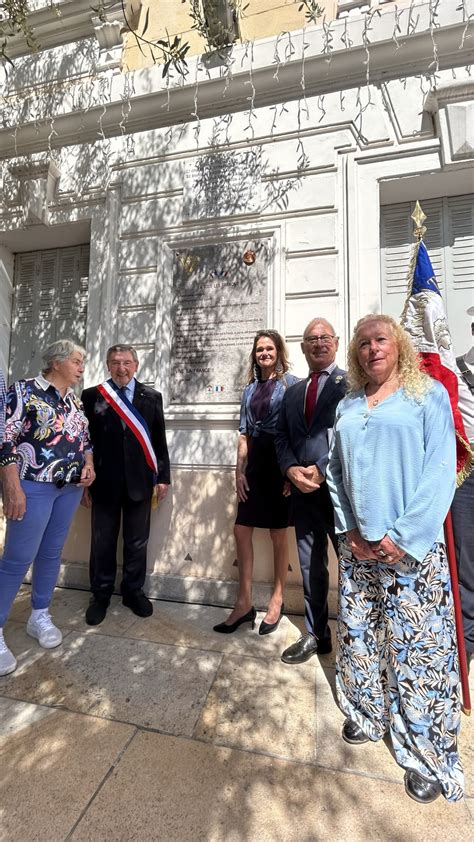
418,218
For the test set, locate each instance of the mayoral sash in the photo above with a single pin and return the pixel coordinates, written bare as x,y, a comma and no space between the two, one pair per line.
130,415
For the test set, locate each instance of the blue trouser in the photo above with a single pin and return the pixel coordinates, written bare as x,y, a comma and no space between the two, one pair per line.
462,511
38,538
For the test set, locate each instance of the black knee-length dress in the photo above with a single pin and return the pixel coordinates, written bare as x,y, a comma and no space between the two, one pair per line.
265,506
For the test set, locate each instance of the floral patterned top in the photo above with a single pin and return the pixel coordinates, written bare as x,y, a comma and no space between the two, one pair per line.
3,399
45,433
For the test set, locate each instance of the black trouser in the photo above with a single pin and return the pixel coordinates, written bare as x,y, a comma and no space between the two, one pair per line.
462,511
314,524
106,518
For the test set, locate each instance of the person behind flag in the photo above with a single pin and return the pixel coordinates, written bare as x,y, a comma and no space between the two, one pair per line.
3,402
391,477
424,319
462,509
127,430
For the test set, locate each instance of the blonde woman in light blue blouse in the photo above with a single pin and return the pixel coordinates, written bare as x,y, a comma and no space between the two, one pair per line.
391,476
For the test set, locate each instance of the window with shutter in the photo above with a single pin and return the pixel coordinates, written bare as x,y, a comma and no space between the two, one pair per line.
49,302
450,243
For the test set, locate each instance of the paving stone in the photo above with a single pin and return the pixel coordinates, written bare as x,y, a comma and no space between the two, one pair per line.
166,788
26,650
261,706
466,750
52,763
331,750
191,625
68,608
14,716
135,681
370,758
21,607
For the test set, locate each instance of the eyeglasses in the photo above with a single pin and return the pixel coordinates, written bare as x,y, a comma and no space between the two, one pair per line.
325,339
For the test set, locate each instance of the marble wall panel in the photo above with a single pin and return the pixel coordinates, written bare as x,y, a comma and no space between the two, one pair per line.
311,232
312,275
150,215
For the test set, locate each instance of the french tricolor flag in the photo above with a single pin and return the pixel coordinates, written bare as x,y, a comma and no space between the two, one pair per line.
424,318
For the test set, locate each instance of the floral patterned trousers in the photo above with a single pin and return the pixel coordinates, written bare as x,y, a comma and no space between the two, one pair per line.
397,665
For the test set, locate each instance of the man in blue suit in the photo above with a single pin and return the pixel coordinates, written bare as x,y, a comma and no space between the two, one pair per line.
302,444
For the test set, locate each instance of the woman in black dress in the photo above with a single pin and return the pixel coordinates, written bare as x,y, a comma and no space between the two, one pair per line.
258,479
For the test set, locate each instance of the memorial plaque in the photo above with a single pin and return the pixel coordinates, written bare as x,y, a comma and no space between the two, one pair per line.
222,183
219,303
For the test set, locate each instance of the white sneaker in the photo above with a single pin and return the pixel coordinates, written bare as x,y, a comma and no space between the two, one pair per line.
7,658
43,629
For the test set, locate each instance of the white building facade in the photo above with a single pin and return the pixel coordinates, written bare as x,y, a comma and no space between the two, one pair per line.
123,194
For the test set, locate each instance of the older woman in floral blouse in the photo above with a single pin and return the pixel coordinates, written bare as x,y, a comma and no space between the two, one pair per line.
45,462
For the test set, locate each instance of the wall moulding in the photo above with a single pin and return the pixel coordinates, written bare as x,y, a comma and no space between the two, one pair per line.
38,183
452,106
64,21
153,104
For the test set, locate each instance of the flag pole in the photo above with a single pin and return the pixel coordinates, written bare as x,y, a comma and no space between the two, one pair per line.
451,553
418,218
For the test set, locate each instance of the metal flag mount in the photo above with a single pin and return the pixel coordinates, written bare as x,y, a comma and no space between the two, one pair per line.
424,319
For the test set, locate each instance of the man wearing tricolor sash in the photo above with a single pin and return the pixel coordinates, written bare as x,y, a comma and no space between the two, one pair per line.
127,429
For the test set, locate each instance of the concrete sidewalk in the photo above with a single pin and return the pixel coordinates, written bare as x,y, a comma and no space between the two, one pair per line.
160,729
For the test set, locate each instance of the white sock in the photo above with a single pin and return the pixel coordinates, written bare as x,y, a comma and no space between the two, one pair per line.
36,612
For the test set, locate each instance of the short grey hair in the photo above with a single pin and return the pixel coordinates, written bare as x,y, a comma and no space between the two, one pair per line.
58,351
122,349
319,319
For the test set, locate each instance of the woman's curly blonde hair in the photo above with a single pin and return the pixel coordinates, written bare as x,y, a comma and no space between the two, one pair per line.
411,378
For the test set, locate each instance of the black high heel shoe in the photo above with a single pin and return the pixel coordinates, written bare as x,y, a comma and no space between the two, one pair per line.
268,628
228,628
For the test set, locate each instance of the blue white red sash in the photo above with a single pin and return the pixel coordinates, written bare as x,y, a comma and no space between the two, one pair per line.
132,418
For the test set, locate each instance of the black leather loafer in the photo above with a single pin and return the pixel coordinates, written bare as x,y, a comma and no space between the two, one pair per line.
96,611
304,649
138,603
419,788
352,734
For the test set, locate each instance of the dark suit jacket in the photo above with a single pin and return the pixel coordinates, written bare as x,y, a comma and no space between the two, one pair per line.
295,443
118,457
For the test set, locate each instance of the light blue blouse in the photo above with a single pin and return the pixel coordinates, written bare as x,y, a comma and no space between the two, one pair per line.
392,468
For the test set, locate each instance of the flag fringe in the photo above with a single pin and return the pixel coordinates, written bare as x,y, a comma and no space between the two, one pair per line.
410,274
466,469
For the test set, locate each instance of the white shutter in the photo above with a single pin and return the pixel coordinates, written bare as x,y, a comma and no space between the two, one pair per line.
25,314
395,235
50,302
460,257
450,243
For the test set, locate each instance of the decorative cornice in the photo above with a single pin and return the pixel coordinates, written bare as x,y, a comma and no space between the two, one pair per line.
449,92
155,104
60,23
